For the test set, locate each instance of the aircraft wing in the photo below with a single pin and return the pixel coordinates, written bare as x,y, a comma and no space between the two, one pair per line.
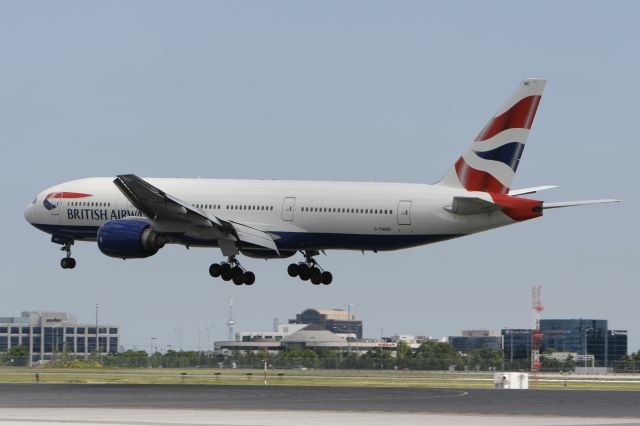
159,206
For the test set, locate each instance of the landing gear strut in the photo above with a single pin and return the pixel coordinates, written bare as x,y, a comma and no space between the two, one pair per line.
232,270
310,270
67,262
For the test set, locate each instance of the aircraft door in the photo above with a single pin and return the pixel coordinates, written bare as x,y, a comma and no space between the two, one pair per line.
404,213
287,208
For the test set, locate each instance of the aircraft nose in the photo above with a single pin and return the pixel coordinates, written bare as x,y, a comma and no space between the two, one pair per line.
29,213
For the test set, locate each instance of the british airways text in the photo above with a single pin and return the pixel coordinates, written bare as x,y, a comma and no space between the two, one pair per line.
100,214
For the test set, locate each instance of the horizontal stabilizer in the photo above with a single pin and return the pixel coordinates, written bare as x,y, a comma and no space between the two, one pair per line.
532,190
472,205
577,203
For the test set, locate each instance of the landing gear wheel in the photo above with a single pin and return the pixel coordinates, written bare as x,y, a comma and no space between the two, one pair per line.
68,263
309,269
232,270
293,270
249,278
225,272
303,272
215,270
237,273
316,277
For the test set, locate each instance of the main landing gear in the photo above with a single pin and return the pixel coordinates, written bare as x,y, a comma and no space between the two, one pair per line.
232,271
67,262
310,270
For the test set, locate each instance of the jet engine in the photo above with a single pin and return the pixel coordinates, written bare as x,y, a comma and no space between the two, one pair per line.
129,239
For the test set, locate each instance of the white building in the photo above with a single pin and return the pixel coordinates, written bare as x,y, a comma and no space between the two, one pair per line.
44,334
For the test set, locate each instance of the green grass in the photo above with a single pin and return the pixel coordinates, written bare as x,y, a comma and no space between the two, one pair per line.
408,379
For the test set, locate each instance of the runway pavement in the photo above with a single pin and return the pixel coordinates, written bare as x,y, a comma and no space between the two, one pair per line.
391,400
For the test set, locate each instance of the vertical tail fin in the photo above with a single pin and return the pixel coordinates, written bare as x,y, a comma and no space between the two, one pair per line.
490,164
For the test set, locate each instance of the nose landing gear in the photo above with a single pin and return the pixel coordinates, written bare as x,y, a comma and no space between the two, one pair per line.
232,270
67,262
310,270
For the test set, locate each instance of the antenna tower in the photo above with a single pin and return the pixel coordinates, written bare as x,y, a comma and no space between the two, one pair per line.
231,323
536,334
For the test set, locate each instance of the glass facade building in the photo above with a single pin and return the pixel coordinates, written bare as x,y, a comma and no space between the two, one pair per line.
516,343
580,336
44,334
466,344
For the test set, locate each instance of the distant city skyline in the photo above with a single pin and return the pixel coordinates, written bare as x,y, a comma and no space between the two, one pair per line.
364,91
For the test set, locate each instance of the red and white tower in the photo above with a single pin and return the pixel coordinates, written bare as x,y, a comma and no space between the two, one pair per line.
536,334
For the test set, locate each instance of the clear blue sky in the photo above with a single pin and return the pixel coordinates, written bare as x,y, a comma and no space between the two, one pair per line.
359,90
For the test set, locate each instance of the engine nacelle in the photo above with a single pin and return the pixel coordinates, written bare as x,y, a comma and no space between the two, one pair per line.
129,239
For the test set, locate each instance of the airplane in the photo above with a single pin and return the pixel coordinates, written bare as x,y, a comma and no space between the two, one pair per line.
130,217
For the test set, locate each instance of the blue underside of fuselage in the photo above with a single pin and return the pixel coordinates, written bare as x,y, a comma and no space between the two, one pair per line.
284,240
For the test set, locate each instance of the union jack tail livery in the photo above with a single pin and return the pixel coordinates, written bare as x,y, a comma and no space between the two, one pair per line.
490,164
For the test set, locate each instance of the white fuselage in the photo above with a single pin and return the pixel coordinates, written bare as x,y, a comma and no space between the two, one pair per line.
301,215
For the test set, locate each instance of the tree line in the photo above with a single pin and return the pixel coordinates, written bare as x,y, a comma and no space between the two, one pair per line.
428,356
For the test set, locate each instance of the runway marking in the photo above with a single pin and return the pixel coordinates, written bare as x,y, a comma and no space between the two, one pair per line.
254,399
102,422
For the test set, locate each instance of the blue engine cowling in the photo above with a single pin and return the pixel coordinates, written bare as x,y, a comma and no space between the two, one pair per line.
129,239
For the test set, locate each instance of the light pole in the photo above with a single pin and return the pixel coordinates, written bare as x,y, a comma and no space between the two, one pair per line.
585,344
179,330
208,337
97,334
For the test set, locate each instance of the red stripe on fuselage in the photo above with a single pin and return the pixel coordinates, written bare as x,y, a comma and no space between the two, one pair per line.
67,195
519,116
477,180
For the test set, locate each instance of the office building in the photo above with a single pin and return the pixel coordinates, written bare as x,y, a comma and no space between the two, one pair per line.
337,321
579,336
44,334
476,339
